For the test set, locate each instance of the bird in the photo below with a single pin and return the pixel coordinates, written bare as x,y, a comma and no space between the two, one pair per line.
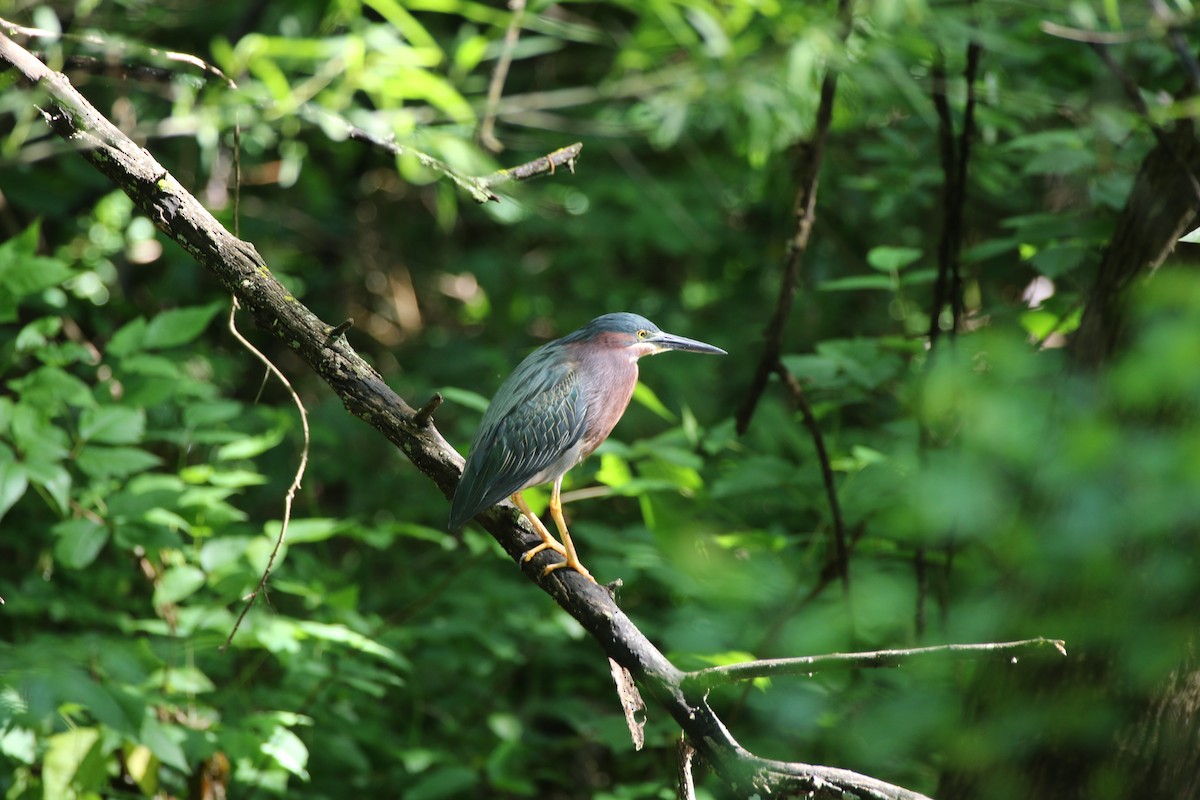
552,412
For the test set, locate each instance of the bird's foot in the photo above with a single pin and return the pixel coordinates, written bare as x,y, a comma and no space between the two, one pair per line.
573,564
547,544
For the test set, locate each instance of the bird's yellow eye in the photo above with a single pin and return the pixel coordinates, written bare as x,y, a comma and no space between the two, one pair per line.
643,334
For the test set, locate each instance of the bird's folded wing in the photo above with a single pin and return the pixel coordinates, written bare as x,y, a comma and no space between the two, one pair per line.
536,421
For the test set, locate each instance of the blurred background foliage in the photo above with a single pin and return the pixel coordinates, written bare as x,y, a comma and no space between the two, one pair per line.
991,492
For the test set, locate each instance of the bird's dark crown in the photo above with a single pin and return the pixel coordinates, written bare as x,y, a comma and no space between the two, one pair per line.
620,322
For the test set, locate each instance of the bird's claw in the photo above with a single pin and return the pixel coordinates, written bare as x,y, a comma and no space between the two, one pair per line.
578,567
549,545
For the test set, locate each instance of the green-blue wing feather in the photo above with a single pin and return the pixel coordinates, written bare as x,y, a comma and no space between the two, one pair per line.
536,416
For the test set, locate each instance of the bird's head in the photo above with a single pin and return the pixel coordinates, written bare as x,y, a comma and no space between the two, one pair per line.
636,335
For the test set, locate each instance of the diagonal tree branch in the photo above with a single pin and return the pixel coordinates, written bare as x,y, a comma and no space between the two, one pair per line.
841,549
241,270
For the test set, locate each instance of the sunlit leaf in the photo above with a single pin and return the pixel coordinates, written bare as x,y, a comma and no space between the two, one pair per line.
178,326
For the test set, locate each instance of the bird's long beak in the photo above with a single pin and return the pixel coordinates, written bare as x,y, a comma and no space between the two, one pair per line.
668,341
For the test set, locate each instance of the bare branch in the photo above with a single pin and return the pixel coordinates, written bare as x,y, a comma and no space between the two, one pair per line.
480,188
547,164
955,156
1091,37
807,665
340,328
425,415
13,29
808,171
841,550
487,136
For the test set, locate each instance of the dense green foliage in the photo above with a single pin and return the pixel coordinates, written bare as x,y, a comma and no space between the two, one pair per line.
991,490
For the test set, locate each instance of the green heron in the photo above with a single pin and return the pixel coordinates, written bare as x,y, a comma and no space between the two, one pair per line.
559,404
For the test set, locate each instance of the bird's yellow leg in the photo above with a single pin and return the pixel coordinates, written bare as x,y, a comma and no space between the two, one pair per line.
572,558
548,540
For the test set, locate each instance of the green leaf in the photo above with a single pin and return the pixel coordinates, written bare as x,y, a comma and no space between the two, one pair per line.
38,333
465,397
208,413
74,763
163,741
178,326
892,259
443,782
13,483
99,461
23,273
614,471
223,553
112,425
180,680
78,542
50,388
54,478
304,530
288,751
643,395
340,634
128,338
249,446
177,583
1057,260
19,744
918,277
855,282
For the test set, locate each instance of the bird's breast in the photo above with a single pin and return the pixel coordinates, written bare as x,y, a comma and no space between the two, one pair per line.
608,389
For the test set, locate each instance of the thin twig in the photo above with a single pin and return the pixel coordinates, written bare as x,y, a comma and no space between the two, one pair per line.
291,492
807,665
965,137
547,164
808,172
948,287
841,551
942,286
425,414
340,328
480,188
1092,37
921,568
107,45
487,136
